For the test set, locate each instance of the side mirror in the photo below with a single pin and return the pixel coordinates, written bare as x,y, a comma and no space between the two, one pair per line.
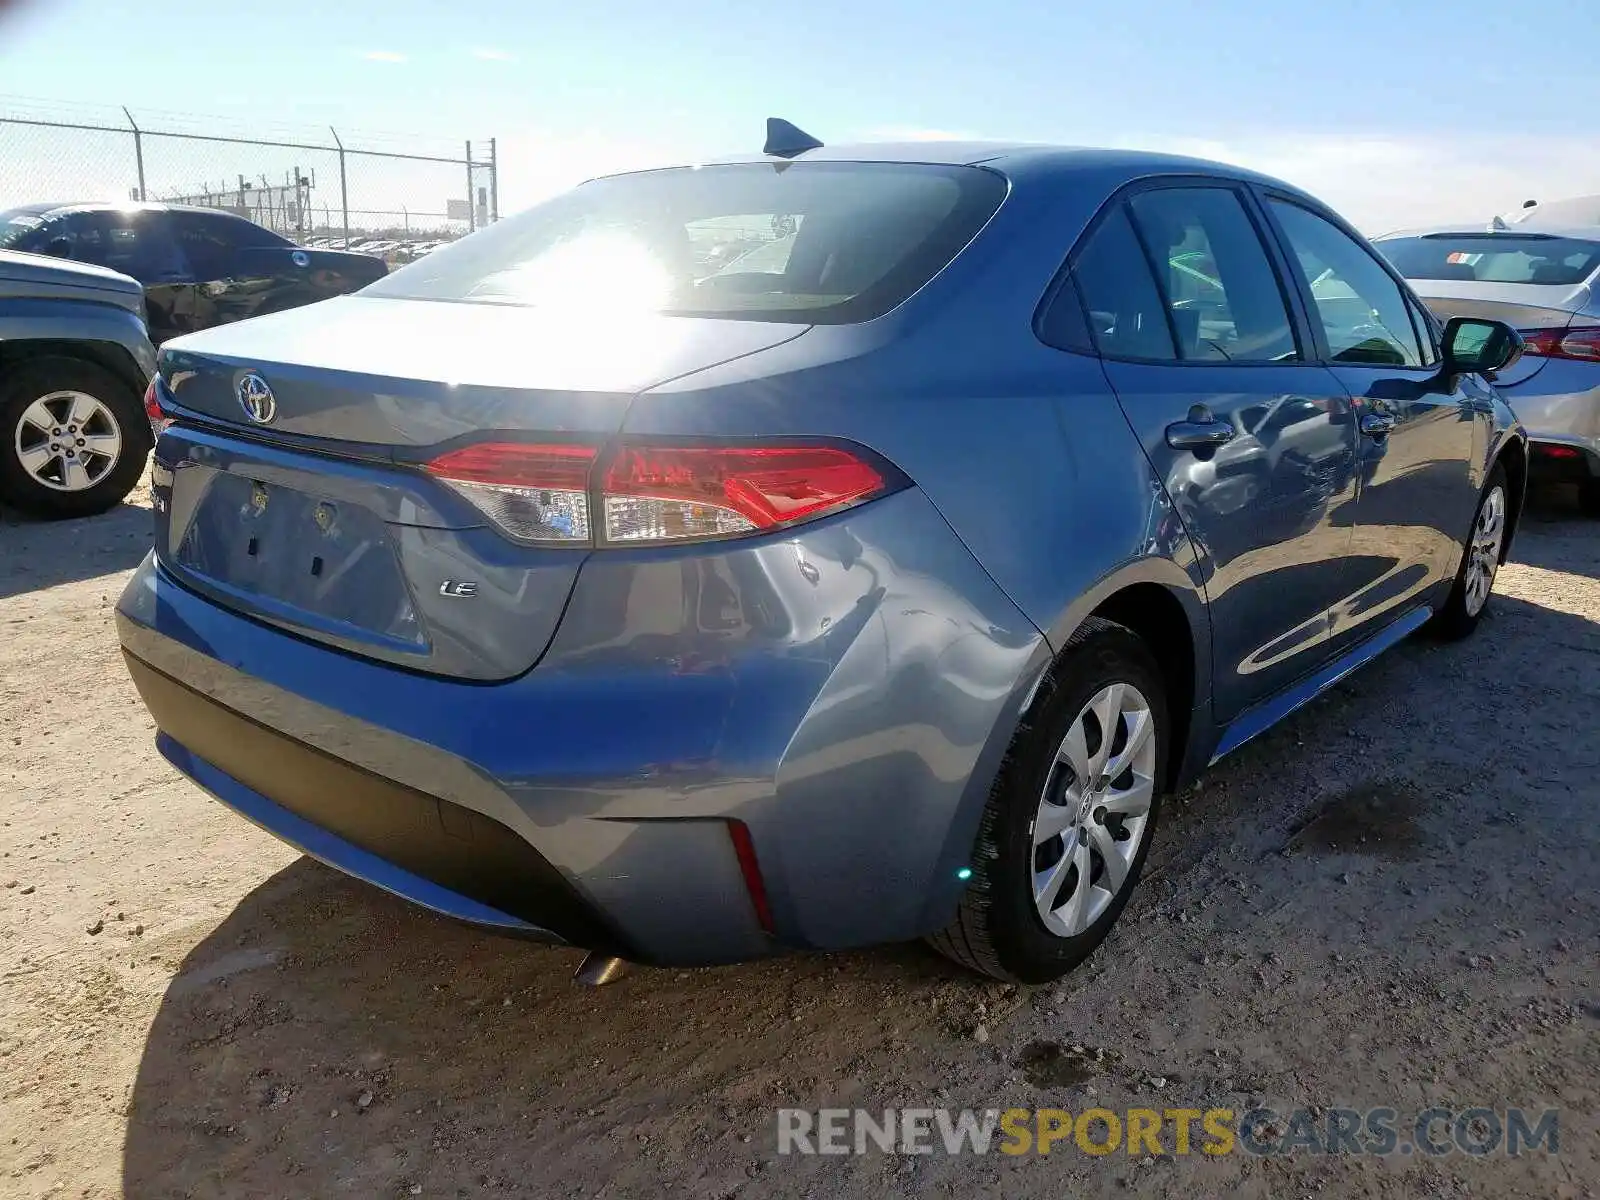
1475,346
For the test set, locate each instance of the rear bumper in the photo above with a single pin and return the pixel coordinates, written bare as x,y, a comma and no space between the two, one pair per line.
848,705
440,855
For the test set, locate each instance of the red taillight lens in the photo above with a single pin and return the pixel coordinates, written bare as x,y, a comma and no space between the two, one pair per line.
159,421
535,493
669,493
648,493
1547,450
1580,343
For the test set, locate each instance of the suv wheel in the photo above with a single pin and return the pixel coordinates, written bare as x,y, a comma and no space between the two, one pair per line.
1480,561
1071,816
73,438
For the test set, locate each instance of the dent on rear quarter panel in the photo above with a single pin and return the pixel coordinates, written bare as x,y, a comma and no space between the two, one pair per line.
837,689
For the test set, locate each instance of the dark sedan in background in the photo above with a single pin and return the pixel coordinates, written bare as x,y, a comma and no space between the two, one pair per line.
200,267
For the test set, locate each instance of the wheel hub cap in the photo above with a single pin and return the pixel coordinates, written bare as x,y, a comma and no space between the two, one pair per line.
1092,815
1483,551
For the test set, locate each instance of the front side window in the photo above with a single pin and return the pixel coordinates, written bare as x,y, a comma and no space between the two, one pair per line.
1220,288
1362,310
798,242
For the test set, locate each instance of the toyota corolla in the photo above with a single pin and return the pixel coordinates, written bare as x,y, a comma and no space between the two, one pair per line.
611,579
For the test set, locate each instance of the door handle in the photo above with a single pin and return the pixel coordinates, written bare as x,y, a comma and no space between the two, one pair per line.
1377,424
1199,435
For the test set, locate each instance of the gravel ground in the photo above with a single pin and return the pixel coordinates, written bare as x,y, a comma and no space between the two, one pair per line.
1392,900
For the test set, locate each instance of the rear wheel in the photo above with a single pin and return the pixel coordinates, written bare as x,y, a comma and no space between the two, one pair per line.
73,438
1071,816
1480,561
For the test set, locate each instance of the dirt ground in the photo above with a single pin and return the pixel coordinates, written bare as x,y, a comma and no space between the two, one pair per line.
1392,900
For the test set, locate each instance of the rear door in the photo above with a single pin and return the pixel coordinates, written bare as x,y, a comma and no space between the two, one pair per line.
139,242
1253,439
1421,433
232,283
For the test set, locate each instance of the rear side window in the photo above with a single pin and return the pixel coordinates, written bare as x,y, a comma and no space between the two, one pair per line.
1220,286
1494,258
1362,310
1126,318
798,242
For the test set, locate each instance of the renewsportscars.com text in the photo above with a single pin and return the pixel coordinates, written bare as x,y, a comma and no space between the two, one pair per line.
1176,1131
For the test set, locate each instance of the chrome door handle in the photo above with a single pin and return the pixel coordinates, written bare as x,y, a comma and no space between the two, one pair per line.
1377,425
1199,435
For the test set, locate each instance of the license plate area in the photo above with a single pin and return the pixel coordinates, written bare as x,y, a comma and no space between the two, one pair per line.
293,556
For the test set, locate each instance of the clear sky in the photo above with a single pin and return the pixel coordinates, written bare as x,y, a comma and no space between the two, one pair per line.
1395,111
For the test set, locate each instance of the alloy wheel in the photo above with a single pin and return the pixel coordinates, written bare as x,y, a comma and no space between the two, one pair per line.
67,441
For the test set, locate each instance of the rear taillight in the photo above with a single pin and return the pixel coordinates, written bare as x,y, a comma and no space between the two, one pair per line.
1580,343
535,493
645,493
159,421
668,493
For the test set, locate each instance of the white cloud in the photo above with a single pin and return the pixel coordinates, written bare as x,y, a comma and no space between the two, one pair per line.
489,54
384,56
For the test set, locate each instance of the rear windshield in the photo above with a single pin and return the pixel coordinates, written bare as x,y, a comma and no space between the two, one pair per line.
1494,258
801,242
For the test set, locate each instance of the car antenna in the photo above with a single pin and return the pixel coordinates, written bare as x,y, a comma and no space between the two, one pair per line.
786,140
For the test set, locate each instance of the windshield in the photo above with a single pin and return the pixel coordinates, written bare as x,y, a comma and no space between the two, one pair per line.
1494,258
800,242
17,223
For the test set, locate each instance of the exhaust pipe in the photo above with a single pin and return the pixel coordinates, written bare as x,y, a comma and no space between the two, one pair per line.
597,970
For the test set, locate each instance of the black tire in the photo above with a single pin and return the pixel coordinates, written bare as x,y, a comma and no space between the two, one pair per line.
39,377
998,931
1457,618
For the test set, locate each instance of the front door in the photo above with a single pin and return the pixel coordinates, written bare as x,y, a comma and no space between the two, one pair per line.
1420,433
1254,440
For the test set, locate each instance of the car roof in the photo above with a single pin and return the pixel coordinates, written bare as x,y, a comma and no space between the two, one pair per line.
1016,160
120,206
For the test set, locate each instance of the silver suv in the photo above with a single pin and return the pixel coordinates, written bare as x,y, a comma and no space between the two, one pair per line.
75,358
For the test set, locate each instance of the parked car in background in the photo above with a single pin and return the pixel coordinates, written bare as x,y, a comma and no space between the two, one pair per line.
74,362
587,587
199,266
1546,282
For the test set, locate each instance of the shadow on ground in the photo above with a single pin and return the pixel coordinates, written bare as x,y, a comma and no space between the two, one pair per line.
42,554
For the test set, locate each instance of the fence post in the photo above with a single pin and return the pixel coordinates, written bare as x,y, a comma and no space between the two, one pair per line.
472,201
138,149
344,191
494,181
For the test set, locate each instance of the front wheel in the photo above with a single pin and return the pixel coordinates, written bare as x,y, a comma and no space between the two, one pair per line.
73,438
1070,819
1480,561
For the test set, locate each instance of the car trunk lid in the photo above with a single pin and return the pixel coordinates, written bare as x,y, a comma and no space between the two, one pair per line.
320,519
1522,306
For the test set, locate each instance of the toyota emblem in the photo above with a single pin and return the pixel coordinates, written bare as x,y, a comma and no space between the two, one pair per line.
256,398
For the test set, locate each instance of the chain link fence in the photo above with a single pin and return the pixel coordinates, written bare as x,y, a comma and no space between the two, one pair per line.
376,193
